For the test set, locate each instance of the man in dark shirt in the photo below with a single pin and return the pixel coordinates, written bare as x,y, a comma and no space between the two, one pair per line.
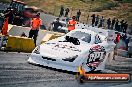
66,12
61,11
108,23
93,19
122,26
96,20
78,15
56,24
113,23
125,26
117,28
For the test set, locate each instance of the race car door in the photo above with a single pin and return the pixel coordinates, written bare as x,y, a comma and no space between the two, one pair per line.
96,54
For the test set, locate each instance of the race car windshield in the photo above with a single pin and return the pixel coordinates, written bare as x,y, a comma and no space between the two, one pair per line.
81,35
72,39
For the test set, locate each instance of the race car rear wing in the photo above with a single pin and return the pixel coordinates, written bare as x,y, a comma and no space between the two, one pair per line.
99,30
109,34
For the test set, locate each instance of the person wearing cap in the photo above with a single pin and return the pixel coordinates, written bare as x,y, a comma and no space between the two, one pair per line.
35,25
72,23
56,24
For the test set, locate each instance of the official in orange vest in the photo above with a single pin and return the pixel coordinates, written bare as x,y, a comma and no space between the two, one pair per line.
5,27
72,23
35,26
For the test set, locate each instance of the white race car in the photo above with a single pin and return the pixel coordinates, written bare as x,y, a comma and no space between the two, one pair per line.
80,46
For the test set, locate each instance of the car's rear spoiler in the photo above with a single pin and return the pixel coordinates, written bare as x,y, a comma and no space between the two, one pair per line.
97,30
101,31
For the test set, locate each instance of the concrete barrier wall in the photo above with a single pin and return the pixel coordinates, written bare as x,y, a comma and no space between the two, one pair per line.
9,27
18,30
20,44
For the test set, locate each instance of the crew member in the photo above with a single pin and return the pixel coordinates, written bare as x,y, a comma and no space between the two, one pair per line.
72,23
56,24
35,25
5,24
5,27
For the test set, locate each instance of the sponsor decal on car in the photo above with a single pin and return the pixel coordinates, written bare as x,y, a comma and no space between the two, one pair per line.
65,47
96,56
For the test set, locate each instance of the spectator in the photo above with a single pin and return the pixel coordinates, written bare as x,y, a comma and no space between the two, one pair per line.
66,12
56,24
130,29
93,19
117,38
126,39
130,47
116,41
61,11
101,22
113,23
124,36
122,26
117,25
121,44
96,20
125,27
35,25
78,15
108,23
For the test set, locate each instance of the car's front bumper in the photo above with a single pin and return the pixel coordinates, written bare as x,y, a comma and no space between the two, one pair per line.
53,64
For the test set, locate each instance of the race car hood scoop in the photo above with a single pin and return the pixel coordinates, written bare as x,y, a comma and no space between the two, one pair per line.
60,49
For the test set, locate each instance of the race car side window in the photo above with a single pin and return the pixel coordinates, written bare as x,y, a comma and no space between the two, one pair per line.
97,39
